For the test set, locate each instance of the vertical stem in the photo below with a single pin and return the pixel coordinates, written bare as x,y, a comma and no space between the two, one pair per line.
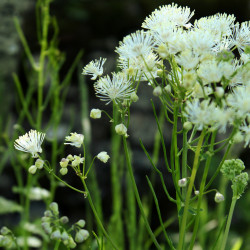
130,170
96,215
184,161
201,191
189,192
44,44
229,219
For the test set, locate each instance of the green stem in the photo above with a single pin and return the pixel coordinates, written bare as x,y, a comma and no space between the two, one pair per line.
229,219
189,192
96,215
184,161
130,170
201,192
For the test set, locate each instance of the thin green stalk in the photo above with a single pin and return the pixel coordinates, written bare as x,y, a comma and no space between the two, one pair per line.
229,219
201,192
137,194
43,52
184,161
96,215
159,214
189,192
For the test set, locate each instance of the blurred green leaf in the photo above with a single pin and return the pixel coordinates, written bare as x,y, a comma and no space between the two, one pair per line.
8,206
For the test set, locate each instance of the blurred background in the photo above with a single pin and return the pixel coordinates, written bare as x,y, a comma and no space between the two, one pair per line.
96,27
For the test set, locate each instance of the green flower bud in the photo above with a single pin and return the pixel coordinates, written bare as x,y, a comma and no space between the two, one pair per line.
46,227
81,223
232,168
219,92
238,137
71,243
64,236
239,184
39,163
95,113
157,91
182,182
134,97
81,235
47,213
56,235
167,88
63,171
187,125
5,231
64,219
54,208
64,163
121,129
219,197
70,157
32,169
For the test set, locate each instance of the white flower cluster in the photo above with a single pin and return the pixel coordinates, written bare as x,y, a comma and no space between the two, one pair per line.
204,65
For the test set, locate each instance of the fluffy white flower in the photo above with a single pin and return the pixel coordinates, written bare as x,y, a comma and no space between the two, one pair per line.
242,36
200,113
166,14
245,129
103,156
94,68
38,193
187,59
136,44
117,89
218,25
240,101
74,139
30,143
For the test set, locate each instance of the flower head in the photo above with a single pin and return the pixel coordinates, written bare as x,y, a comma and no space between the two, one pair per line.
117,89
75,139
30,143
94,68
95,113
103,156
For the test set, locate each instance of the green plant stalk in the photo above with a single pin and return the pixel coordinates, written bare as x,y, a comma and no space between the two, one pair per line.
184,161
87,138
189,192
229,219
115,171
96,215
137,193
201,192
159,215
43,52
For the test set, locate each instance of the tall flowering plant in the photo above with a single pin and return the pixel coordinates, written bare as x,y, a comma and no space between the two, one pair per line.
200,73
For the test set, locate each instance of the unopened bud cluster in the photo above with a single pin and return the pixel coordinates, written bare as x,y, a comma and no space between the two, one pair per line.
38,165
55,227
73,161
7,238
232,169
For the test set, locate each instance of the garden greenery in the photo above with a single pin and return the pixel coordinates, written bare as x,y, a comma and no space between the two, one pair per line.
200,73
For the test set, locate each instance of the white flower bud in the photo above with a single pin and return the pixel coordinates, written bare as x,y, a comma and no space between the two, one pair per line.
63,171
39,163
56,235
157,91
238,137
32,169
219,92
187,125
121,129
196,192
103,156
64,163
54,207
182,182
167,88
70,158
81,223
218,197
134,97
95,113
